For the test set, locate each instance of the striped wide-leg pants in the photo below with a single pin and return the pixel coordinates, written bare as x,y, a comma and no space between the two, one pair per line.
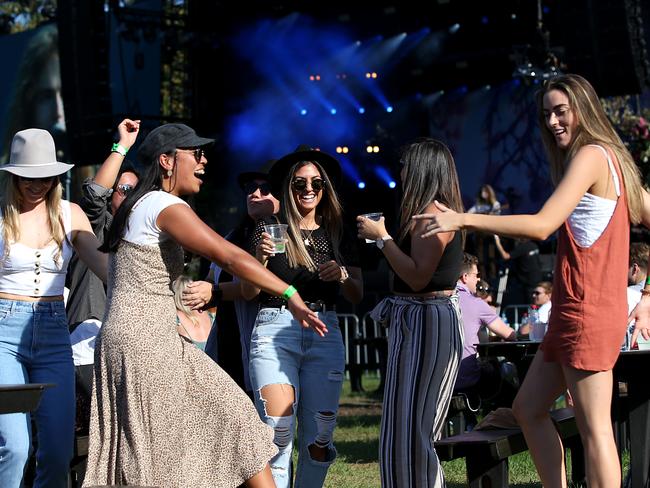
425,345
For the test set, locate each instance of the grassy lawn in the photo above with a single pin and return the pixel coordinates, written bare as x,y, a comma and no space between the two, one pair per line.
357,437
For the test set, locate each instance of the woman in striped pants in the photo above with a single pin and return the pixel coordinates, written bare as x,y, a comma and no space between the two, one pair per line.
425,339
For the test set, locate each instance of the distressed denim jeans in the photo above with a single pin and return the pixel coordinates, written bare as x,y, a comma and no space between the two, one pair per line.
35,348
283,352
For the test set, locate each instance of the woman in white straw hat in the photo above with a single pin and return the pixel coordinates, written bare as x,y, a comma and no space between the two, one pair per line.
38,231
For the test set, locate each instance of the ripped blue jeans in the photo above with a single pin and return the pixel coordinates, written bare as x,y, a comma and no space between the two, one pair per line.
285,353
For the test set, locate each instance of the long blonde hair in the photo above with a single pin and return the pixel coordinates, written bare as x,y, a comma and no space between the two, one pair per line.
178,285
593,128
10,204
329,209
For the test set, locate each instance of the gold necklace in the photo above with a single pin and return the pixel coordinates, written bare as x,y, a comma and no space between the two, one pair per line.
308,240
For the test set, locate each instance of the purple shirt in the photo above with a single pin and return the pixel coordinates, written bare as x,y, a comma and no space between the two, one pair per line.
476,313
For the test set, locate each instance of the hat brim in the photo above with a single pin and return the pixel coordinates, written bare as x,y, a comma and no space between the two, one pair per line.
192,141
280,169
40,171
247,176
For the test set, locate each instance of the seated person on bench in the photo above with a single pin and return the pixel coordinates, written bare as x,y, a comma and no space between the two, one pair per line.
476,314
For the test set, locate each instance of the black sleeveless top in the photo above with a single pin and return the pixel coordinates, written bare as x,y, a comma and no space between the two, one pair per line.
446,274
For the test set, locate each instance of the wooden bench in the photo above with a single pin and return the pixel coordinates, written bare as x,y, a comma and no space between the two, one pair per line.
486,452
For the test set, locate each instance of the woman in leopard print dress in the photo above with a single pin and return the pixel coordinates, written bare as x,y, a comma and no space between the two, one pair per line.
163,413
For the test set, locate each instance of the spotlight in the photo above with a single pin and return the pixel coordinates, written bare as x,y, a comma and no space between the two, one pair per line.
303,111
373,74
369,149
375,149
389,109
339,149
311,78
333,111
368,75
362,110
345,149
361,185
392,184
513,16
485,20
454,28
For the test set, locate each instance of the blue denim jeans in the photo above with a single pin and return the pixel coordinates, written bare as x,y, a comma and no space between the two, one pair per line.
283,352
35,348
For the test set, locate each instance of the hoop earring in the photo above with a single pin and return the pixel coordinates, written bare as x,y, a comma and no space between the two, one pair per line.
169,173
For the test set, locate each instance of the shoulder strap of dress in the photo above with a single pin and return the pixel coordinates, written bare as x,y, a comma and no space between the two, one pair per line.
617,185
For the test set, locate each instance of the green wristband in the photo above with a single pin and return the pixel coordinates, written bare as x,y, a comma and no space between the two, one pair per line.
647,280
289,292
119,149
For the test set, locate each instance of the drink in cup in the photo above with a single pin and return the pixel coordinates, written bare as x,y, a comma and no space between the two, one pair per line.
372,216
279,236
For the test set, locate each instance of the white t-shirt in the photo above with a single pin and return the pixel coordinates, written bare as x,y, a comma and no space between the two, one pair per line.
141,226
544,312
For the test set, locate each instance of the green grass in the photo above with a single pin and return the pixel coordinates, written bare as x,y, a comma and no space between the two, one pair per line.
357,438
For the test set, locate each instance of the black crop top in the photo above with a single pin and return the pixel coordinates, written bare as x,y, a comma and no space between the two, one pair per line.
446,274
308,284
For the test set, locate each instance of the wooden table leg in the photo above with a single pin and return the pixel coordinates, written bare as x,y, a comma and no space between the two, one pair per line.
483,472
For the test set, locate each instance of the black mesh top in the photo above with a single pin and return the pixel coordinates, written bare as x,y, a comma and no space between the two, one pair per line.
310,287
446,274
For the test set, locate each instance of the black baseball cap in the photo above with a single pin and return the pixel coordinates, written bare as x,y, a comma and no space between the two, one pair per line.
165,138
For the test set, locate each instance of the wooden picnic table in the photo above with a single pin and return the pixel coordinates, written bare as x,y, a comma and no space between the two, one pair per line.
21,398
631,404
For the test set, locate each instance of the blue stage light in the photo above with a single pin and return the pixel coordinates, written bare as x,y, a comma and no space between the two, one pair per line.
362,110
454,28
361,185
333,111
389,109
392,184
303,111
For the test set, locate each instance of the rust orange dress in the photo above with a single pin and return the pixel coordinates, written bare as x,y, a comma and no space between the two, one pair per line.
589,314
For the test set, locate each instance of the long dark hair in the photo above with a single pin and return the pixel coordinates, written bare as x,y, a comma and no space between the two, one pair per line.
430,175
150,181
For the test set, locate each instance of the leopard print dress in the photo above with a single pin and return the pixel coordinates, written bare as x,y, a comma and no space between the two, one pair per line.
163,413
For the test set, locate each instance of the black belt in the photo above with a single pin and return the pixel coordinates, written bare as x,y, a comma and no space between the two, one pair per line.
317,306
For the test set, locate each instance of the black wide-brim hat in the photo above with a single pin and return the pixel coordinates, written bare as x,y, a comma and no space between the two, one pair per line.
280,169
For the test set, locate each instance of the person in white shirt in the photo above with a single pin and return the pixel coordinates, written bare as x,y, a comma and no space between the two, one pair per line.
636,278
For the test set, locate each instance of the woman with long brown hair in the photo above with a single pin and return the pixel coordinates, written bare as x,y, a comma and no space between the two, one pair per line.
598,194
425,337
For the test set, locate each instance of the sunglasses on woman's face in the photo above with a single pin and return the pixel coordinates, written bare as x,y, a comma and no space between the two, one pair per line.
300,184
251,187
198,153
124,189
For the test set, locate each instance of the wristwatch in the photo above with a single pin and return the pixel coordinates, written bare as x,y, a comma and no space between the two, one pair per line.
382,240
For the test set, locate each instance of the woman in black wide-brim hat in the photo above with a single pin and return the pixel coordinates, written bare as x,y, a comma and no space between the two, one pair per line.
296,375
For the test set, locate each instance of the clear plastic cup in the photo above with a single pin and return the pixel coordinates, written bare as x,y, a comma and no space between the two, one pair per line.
372,216
279,236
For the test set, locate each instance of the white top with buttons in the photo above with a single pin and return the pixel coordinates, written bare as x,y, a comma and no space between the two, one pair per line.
35,272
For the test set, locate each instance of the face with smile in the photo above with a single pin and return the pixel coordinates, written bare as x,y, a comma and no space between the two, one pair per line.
560,118
471,279
124,185
259,200
303,184
188,170
34,190
540,297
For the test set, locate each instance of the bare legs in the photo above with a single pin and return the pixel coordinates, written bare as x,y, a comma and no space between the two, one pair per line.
592,395
263,479
544,382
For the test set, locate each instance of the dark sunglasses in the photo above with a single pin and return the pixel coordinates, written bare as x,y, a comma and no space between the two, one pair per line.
124,189
483,289
198,153
535,293
251,187
300,184
43,180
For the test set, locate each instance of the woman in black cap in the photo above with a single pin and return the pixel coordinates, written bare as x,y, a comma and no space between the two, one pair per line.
163,413
294,373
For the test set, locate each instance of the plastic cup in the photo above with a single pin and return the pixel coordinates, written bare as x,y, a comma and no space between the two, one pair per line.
279,236
372,216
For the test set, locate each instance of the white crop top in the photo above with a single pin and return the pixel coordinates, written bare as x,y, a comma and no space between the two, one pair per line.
35,272
592,214
141,227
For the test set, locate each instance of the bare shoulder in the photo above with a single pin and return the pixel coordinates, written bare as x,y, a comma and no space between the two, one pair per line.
590,154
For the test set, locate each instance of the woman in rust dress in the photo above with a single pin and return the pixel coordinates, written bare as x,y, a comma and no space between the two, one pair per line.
598,194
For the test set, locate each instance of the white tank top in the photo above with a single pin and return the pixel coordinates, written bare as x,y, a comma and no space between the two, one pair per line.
141,227
592,214
35,272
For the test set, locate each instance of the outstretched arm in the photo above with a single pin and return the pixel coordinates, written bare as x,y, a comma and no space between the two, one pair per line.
107,173
184,226
581,175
